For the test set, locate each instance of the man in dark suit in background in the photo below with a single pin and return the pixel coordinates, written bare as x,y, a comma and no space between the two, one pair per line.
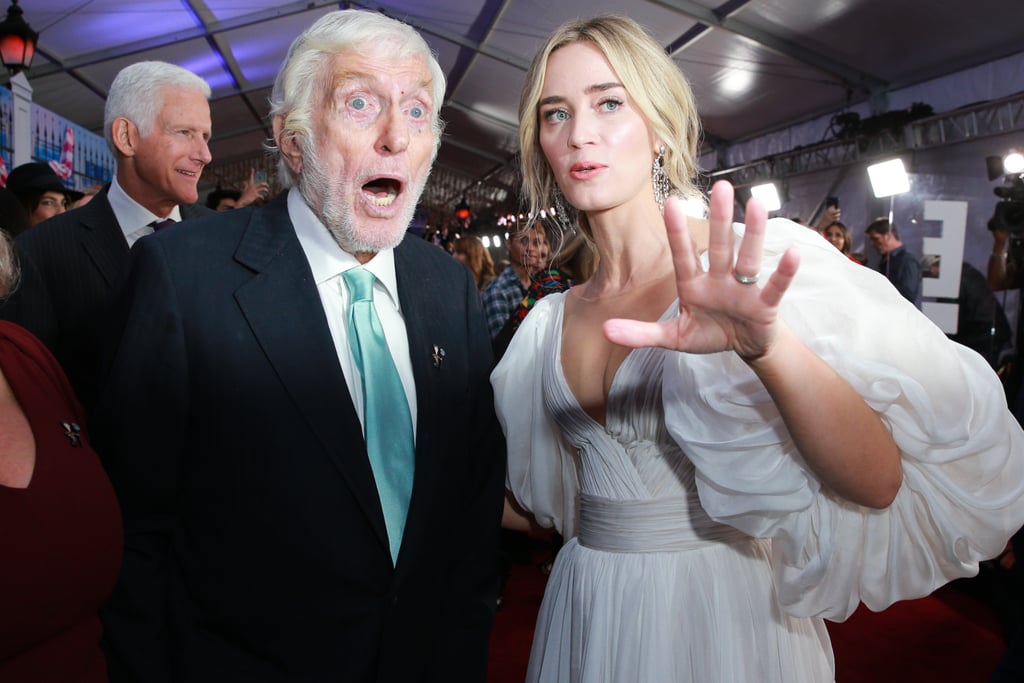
901,267
268,539
157,123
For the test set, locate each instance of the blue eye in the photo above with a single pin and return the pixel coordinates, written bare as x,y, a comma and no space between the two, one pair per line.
417,112
358,103
611,105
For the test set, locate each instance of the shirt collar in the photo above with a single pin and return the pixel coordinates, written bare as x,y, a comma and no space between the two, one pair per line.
131,215
326,259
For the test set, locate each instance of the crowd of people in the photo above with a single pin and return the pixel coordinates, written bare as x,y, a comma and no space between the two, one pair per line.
228,445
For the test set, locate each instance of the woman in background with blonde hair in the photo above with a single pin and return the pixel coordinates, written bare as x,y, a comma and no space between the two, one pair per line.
729,457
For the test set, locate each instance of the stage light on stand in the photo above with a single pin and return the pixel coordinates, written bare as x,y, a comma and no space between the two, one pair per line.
888,179
768,193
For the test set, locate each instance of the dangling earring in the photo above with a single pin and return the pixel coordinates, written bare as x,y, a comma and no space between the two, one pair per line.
662,187
562,212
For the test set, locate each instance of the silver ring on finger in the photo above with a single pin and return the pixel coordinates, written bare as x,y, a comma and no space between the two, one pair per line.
746,279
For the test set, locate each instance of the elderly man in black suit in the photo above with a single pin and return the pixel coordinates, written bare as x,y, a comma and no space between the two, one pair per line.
298,419
157,123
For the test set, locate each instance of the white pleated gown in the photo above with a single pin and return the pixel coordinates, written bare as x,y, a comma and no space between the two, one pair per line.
700,548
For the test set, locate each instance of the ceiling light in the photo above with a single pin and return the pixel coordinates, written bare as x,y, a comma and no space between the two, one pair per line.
888,178
737,81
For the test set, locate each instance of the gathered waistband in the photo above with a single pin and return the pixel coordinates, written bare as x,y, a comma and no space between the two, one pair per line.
651,526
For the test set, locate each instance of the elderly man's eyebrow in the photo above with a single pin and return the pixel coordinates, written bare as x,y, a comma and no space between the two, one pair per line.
345,77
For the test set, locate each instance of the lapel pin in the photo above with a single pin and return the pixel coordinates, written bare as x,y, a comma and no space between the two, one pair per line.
438,356
73,432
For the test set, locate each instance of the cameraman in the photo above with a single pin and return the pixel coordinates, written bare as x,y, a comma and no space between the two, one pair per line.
1006,271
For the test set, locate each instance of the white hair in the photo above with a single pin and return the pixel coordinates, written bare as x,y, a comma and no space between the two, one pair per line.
306,74
137,94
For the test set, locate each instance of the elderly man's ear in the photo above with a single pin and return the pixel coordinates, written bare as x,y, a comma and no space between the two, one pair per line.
288,143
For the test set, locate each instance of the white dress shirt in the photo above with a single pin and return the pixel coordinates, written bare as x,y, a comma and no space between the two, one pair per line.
328,261
133,217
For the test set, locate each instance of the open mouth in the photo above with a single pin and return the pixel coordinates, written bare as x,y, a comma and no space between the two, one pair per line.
382,191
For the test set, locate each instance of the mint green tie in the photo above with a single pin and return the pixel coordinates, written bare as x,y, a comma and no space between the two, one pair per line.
388,426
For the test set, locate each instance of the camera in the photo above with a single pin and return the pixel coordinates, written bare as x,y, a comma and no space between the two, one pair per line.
1009,213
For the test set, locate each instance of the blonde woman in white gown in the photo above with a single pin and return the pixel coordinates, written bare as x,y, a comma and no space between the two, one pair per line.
787,438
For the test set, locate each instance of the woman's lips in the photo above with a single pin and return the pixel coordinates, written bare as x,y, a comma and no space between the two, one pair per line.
585,170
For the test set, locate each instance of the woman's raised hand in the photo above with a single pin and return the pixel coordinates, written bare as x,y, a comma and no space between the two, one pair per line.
726,307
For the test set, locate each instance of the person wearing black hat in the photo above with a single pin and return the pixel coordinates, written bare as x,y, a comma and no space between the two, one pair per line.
40,191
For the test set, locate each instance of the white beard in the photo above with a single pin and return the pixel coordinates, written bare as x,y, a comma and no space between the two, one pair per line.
329,200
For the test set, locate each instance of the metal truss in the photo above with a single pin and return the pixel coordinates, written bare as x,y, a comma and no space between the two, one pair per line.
978,121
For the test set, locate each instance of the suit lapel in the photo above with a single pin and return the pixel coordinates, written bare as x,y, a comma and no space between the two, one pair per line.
428,323
280,299
420,316
102,238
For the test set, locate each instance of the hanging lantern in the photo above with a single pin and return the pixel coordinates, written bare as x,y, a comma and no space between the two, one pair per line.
17,40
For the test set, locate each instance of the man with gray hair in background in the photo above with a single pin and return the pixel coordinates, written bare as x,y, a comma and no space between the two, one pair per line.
157,123
298,420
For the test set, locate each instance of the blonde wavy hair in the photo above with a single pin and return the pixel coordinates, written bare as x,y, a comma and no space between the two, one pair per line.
653,81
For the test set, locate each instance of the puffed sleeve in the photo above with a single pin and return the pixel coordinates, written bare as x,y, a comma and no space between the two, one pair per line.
541,469
962,494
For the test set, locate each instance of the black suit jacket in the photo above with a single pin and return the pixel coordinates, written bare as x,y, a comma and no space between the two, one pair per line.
72,268
255,542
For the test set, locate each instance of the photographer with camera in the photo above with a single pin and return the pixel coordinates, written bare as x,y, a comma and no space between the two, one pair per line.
1005,272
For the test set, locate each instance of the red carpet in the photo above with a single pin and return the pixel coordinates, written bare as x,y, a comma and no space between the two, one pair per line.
946,637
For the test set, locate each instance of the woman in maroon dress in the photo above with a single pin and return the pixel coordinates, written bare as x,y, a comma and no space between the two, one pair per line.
60,525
